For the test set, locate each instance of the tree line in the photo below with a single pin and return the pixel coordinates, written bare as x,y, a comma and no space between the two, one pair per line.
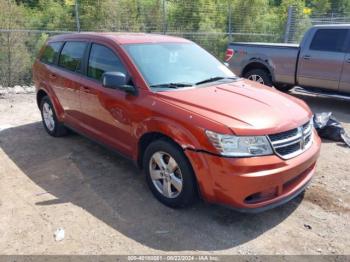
207,22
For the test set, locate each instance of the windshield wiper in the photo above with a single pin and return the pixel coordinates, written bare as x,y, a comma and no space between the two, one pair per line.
172,85
213,79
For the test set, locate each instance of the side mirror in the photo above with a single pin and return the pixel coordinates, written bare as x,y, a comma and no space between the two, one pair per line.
118,80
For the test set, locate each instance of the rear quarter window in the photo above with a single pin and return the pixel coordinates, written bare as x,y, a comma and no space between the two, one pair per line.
331,40
51,52
72,56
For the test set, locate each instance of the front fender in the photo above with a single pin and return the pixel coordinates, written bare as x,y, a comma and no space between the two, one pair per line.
181,135
192,142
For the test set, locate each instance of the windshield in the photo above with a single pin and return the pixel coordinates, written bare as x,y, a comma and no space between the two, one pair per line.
170,65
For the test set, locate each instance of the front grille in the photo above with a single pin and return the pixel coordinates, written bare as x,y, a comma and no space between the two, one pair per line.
293,142
288,149
283,135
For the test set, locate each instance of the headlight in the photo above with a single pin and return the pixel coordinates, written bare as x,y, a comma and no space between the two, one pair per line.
240,146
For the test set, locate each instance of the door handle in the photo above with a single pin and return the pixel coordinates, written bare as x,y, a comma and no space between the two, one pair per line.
52,76
85,89
306,57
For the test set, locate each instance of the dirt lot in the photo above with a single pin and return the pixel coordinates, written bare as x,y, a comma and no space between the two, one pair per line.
102,202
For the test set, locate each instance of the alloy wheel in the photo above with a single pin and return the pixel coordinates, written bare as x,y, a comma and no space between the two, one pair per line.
48,117
165,174
256,78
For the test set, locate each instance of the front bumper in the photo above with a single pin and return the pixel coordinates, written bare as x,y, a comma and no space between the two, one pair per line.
253,184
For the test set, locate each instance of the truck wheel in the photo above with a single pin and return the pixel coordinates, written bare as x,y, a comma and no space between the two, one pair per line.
169,174
52,126
284,88
259,75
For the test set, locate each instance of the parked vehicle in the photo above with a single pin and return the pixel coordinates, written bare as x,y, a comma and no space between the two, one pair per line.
321,61
180,115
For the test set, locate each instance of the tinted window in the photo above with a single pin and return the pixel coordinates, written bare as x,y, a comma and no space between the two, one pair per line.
51,52
72,56
101,60
329,40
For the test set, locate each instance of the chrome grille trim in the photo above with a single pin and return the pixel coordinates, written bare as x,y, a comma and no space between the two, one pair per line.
292,146
285,142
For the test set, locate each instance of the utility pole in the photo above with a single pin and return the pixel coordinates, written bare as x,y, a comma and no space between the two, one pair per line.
77,15
164,18
287,33
230,21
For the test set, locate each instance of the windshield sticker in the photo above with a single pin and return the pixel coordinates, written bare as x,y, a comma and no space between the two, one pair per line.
173,57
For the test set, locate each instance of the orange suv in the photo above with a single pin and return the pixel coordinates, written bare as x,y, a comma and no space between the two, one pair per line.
183,117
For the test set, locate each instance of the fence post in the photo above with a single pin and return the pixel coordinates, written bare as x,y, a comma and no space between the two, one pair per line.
230,22
165,20
288,24
76,9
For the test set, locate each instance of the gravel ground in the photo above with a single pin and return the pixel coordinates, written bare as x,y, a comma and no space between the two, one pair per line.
101,200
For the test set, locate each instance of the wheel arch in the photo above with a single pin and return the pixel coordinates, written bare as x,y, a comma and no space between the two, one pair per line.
258,64
153,128
145,140
45,90
39,96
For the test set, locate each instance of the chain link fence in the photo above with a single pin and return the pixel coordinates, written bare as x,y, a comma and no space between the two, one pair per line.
212,26
297,24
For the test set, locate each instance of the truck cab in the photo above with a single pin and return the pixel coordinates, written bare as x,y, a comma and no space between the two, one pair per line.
324,59
321,62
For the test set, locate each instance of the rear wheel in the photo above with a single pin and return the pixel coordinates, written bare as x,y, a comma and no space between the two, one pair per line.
259,75
52,126
169,174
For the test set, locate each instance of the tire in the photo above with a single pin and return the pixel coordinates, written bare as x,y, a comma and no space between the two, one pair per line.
53,127
181,170
284,88
260,74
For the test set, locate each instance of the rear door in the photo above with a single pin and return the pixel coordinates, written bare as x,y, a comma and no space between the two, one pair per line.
48,72
106,112
71,74
321,61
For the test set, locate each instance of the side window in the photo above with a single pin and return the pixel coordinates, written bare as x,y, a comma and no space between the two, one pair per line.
331,40
102,60
72,55
51,52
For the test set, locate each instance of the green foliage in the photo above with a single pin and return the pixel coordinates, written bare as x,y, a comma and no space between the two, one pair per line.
51,15
14,55
29,3
340,6
322,6
256,16
203,21
304,23
183,16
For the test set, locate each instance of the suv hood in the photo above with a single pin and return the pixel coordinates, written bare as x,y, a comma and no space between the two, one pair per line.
246,107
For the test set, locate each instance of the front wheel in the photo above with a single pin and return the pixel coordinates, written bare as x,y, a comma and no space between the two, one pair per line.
169,174
259,75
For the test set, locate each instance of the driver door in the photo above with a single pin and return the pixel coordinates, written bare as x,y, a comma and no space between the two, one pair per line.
106,112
